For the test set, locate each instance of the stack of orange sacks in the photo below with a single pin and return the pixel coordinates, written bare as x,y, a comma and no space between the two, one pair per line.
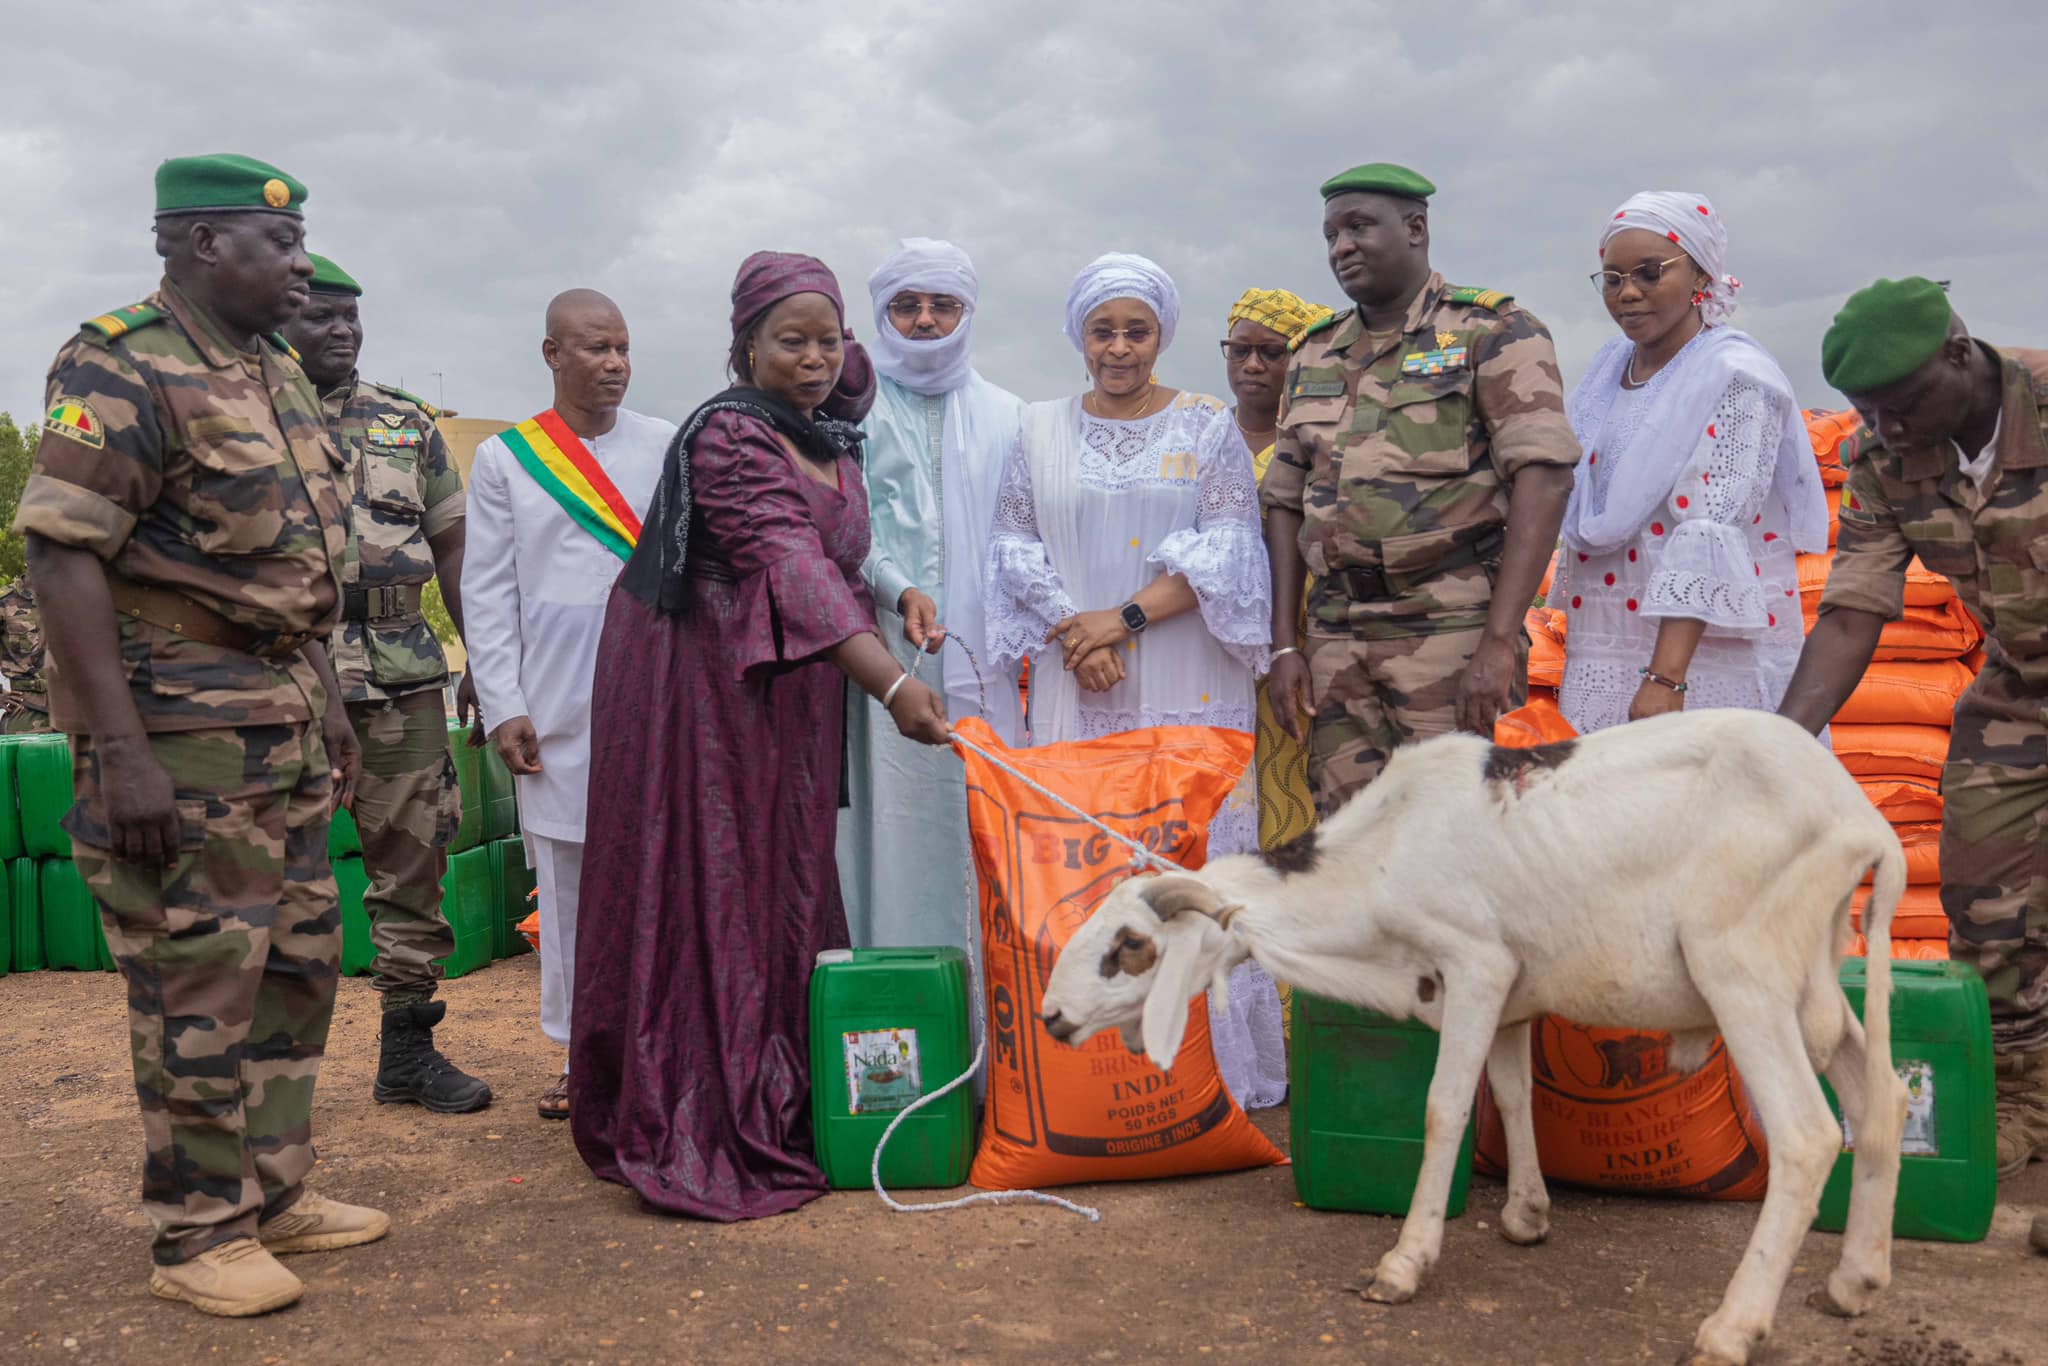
1892,733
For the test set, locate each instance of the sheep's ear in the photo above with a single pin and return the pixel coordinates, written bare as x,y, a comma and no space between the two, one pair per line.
1170,895
1164,1020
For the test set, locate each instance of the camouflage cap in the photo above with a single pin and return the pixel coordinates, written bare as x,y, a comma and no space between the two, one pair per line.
328,278
226,180
1379,177
1885,332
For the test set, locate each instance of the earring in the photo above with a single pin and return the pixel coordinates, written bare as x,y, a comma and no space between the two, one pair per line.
1699,296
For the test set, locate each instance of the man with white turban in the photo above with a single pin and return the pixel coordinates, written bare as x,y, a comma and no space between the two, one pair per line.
936,440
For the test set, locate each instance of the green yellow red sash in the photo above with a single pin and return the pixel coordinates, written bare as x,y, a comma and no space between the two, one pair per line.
559,463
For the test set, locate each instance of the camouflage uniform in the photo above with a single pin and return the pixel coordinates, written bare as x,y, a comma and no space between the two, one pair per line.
1399,456
203,477
403,490
27,699
1992,543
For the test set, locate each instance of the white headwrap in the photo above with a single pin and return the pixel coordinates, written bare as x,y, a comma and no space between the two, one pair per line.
1690,221
935,365
1120,275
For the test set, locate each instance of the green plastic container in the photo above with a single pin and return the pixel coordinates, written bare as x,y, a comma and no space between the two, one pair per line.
501,804
471,905
511,880
10,805
343,838
469,774
1941,1049
42,782
25,908
6,926
1358,1091
887,1026
72,935
352,880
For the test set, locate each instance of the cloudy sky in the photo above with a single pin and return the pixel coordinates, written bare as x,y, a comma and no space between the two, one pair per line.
467,160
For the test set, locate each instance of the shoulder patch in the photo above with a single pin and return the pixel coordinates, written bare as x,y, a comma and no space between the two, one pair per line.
1319,325
277,340
414,399
122,321
1477,297
74,418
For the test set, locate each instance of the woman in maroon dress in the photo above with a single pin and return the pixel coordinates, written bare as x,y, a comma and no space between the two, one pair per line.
708,881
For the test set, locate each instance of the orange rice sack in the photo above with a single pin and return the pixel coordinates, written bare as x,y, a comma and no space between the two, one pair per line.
1539,722
1919,914
1922,843
1907,692
1611,1114
1056,1114
1832,436
1919,950
1889,751
1546,647
1904,801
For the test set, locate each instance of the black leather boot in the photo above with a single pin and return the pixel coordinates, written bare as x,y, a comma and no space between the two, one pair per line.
412,1071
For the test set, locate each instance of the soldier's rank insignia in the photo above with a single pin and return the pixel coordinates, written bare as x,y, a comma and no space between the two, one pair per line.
1444,339
392,419
1433,362
74,418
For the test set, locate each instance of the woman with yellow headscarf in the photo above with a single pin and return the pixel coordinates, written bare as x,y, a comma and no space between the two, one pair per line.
1264,324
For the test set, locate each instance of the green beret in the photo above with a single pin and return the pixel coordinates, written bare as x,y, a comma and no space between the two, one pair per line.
1379,177
328,278
226,181
1884,333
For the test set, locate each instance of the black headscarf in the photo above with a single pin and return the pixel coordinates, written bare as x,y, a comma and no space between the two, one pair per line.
658,574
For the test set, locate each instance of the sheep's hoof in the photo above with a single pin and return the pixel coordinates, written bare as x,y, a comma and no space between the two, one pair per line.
1847,1300
1384,1291
1524,1228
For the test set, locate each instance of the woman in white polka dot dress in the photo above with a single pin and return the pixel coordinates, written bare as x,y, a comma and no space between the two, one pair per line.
1697,490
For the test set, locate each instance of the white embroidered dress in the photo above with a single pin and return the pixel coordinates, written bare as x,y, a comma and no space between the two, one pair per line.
1718,546
1091,510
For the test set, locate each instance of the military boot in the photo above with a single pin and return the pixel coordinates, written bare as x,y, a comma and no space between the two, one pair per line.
235,1279
2038,1235
412,1070
2022,1080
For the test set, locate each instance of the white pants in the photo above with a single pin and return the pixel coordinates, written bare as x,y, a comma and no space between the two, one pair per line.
558,868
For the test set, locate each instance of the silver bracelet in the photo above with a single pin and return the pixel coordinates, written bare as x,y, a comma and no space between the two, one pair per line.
890,695
1286,650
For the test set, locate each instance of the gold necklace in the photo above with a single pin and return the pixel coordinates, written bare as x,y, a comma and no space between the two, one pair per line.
1248,433
1151,392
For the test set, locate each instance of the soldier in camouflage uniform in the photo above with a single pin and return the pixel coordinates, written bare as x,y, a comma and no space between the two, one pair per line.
1952,466
1419,475
405,526
27,700
183,506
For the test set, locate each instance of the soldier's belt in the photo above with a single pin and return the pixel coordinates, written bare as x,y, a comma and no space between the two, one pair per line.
194,620
1370,583
380,604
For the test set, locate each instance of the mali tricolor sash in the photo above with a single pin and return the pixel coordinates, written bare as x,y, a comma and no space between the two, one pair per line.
559,463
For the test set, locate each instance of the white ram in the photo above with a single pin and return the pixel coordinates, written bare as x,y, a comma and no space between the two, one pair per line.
1691,873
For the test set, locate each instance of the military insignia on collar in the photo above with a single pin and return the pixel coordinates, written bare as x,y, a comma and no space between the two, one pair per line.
1433,362
74,418
1444,339
392,419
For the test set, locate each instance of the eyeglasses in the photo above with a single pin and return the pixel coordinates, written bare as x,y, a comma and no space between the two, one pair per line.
908,306
1238,352
1646,275
1136,336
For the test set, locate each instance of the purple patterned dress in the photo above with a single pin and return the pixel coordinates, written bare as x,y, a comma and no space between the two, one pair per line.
708,879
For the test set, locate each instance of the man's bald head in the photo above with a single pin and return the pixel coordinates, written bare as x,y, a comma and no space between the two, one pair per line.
587,348
573,307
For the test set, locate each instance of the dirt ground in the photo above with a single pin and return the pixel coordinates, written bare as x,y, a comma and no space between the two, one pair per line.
503,1248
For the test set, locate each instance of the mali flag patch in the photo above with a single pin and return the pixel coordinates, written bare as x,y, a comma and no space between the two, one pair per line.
74,418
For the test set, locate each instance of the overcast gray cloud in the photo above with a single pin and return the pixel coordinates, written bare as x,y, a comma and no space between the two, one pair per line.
467,160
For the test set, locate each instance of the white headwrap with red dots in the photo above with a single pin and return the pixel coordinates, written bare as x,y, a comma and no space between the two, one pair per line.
1688,220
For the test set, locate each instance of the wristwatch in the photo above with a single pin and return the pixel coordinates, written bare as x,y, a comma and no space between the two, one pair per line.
1134,617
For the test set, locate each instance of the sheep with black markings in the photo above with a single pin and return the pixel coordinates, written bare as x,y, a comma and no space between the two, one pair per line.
1691,873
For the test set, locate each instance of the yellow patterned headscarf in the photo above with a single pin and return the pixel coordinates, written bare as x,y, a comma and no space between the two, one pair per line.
1288,314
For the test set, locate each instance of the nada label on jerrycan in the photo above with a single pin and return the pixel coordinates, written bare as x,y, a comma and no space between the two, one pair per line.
1358,1093
1948,1156
888,1026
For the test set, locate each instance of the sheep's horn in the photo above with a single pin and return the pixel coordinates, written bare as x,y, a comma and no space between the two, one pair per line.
1169,897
